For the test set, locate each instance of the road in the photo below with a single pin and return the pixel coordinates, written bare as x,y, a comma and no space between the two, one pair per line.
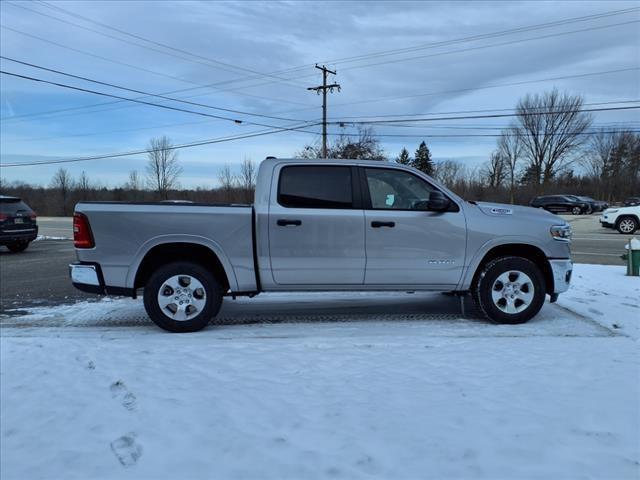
38,277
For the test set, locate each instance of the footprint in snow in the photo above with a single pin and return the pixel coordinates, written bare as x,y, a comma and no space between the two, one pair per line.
89,364
126,449
120,391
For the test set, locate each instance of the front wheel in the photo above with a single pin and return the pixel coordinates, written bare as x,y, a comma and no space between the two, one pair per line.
510,290
627,225
18,247
182,297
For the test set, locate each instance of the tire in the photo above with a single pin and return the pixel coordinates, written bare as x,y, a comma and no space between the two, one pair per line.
500,290
179,282
627,225
576,211
18,247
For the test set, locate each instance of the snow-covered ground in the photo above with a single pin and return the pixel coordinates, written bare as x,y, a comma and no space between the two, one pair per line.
318,386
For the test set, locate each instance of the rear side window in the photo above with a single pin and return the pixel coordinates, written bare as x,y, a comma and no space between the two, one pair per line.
317,186
11,207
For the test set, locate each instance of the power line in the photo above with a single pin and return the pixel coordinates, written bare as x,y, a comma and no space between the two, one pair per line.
163,45
300,129
219,117
439,44
208,62
512,84
173,147
212,86
474,111
164,97
497,115
485,36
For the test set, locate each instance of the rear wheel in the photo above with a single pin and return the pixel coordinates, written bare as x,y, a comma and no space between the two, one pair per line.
576,210
18,247
627,225
182,297
510,290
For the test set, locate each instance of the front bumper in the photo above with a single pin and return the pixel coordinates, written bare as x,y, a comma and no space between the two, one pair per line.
88,278
562,270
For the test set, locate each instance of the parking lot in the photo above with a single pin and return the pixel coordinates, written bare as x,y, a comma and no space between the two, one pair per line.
38,277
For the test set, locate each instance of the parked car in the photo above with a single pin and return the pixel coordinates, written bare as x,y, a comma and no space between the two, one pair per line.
322,225
594,205
560,203
624,219
632,202
18,226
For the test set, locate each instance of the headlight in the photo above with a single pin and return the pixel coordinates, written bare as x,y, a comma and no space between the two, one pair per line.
561,232
612,210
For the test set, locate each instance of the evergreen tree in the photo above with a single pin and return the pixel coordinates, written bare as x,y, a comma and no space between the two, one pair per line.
422,160
404,157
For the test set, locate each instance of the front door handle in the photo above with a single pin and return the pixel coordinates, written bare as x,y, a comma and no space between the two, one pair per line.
283,222
377,224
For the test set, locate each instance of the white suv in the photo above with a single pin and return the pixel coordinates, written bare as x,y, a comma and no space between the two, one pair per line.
624,219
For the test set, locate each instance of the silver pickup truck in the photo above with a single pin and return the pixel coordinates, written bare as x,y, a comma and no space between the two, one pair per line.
322,225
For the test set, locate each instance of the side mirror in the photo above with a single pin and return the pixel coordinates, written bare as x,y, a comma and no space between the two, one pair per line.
437,202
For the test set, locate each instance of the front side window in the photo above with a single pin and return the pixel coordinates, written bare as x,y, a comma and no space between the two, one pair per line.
396,189
315,186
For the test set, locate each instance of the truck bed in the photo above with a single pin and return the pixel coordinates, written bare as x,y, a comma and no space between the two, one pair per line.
125,232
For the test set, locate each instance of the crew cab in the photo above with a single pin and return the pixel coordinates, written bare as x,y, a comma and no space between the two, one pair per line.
322,225
624,219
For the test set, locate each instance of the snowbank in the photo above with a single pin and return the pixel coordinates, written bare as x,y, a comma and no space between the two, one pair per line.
607,296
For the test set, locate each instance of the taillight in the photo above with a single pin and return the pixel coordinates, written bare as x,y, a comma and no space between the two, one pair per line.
33,215
82,237
3,217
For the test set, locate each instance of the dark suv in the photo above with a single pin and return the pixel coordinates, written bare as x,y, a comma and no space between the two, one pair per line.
594,205
560,203
17,224
632,201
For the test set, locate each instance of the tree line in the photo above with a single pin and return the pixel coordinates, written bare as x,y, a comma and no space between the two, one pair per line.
550,147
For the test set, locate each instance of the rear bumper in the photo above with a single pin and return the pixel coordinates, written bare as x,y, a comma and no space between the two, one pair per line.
19,235
87,277
562,270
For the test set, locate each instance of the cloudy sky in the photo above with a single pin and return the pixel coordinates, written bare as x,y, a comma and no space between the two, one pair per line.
256,61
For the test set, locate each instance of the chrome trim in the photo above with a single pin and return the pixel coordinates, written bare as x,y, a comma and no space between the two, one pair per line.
562,270
84,274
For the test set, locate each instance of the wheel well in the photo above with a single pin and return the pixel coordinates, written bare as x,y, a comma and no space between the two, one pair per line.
627,215
529,252
175,252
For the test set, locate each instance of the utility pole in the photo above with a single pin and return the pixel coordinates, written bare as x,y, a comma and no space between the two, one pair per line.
323,88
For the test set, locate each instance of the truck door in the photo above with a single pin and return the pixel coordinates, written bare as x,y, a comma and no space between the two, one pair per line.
405,244
316,226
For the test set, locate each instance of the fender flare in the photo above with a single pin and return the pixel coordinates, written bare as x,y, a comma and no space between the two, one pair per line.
474,263
153,242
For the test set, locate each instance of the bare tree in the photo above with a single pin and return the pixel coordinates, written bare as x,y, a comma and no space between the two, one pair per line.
363,146
247,178
449,172
551,127
163,169
494,171
227,181
510,149
84,186
134,182
63,183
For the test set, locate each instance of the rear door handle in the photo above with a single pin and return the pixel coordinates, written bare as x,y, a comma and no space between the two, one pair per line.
377,224
283,222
